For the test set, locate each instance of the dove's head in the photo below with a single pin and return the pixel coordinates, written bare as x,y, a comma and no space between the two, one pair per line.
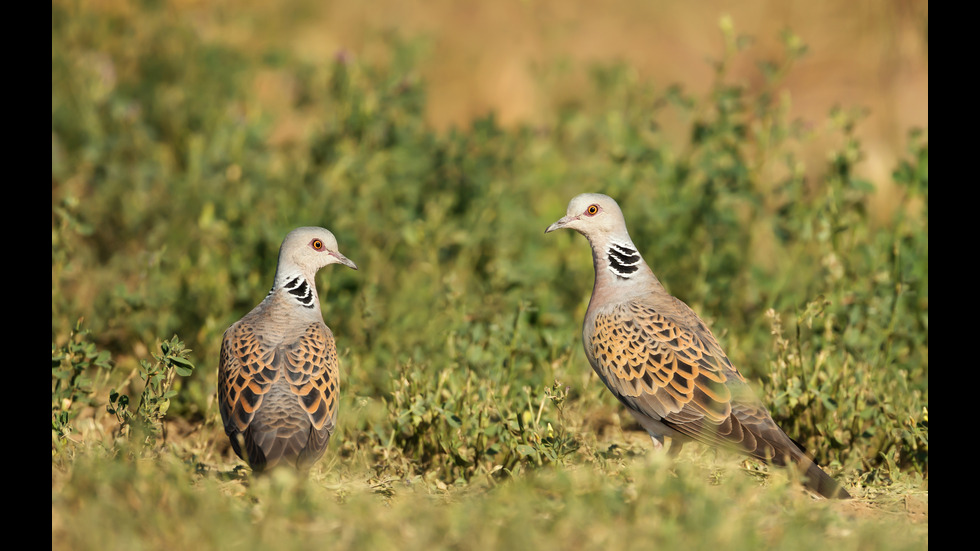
593,215
616,258
309,249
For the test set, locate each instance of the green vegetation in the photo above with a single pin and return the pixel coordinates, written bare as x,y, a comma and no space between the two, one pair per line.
469,418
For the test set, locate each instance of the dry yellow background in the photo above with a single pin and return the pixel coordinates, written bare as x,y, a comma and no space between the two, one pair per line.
503,55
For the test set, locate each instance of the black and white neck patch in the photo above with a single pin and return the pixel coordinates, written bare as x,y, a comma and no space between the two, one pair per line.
301,290
623,259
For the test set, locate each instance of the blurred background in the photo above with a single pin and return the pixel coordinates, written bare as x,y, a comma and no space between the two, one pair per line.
524,59
771,160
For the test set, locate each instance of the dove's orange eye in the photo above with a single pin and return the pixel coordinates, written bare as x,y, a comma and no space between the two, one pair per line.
592,210
317,244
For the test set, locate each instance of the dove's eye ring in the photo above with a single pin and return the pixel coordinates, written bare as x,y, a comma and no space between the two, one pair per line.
592,210
317,245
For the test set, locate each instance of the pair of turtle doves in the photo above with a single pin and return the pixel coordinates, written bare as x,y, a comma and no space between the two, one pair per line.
278,378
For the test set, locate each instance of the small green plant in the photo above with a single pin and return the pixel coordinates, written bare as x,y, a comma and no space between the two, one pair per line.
558,444
146,421
71,382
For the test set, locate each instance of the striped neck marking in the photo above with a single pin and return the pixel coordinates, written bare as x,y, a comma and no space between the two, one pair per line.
623,259
301,291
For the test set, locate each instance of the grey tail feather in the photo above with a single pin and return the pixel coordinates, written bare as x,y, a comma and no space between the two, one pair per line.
816,478
822,483
798,444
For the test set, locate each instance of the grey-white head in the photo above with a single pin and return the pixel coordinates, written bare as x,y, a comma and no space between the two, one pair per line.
304,251
599,218
592,215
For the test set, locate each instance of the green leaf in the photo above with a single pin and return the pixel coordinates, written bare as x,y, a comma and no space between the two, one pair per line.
526,450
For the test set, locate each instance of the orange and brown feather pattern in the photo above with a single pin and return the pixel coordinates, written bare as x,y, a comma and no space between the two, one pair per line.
671,368
278,375
660,359
281,397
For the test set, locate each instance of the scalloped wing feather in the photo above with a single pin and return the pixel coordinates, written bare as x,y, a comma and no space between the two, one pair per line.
666,364
252,372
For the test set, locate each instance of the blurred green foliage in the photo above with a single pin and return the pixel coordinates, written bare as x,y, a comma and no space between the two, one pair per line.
460,334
